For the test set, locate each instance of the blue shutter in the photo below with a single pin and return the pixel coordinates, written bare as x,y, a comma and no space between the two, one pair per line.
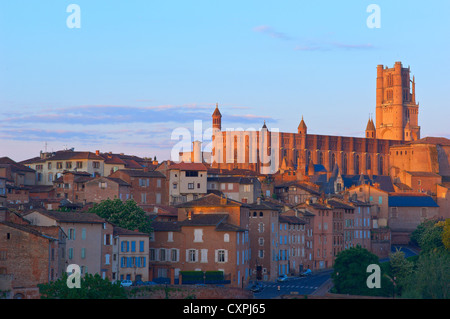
128,246
133,246
144,262
141,246
121,246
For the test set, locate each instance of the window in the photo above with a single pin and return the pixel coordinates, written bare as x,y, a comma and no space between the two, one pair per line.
133,246
192,255
68,165
204,255
49,165
191,173
221,256
107,239
125,246
198,235
174,255
71,233
83,233
158,183
226,238
162,254
152,254
79,164
230,186
175,185
70,253
107,259
158,198
96,164
59,165
190,185
83,253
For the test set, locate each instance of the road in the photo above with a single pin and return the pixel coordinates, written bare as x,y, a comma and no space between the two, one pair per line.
295,285
307,285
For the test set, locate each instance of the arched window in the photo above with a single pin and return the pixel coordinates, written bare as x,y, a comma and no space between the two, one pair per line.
344,163
333,161
356,164
380,166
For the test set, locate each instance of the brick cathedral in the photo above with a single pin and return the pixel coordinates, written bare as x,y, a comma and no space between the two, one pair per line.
396,123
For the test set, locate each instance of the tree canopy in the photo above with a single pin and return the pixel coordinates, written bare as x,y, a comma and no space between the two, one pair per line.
123,214
91,287
350,273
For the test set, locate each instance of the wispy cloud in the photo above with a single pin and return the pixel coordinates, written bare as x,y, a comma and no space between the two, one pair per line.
268,30
318,44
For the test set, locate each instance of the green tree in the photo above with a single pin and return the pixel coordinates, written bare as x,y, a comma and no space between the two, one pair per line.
431,279
91,287
431,238
446,234
123,214
350,273
400,270
416,235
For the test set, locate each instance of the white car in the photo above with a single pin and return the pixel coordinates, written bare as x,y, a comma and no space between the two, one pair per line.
126,283
282,278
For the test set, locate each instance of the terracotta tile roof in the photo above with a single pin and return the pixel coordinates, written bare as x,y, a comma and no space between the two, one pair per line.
432,140
40,231
265,205
73,155
215,220
120,231
211,200
72,217
339,204
188,166
142,173
291,220
14,165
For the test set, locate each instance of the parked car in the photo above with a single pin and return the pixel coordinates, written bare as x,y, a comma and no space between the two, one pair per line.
307,272
282,278
256,287
138,283
126,283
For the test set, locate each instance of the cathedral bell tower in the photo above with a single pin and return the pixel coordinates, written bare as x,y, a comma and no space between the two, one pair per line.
217,119
396,109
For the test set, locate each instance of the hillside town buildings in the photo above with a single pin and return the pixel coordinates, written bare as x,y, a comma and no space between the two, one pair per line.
232,216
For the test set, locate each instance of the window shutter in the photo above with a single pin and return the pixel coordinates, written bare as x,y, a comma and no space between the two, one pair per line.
187,255
216,255
226,255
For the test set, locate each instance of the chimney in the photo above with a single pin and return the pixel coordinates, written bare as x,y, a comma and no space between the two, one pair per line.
97,152
189,215
223,200
258,200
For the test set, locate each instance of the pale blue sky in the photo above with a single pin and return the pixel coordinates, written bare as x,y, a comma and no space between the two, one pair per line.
136,70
